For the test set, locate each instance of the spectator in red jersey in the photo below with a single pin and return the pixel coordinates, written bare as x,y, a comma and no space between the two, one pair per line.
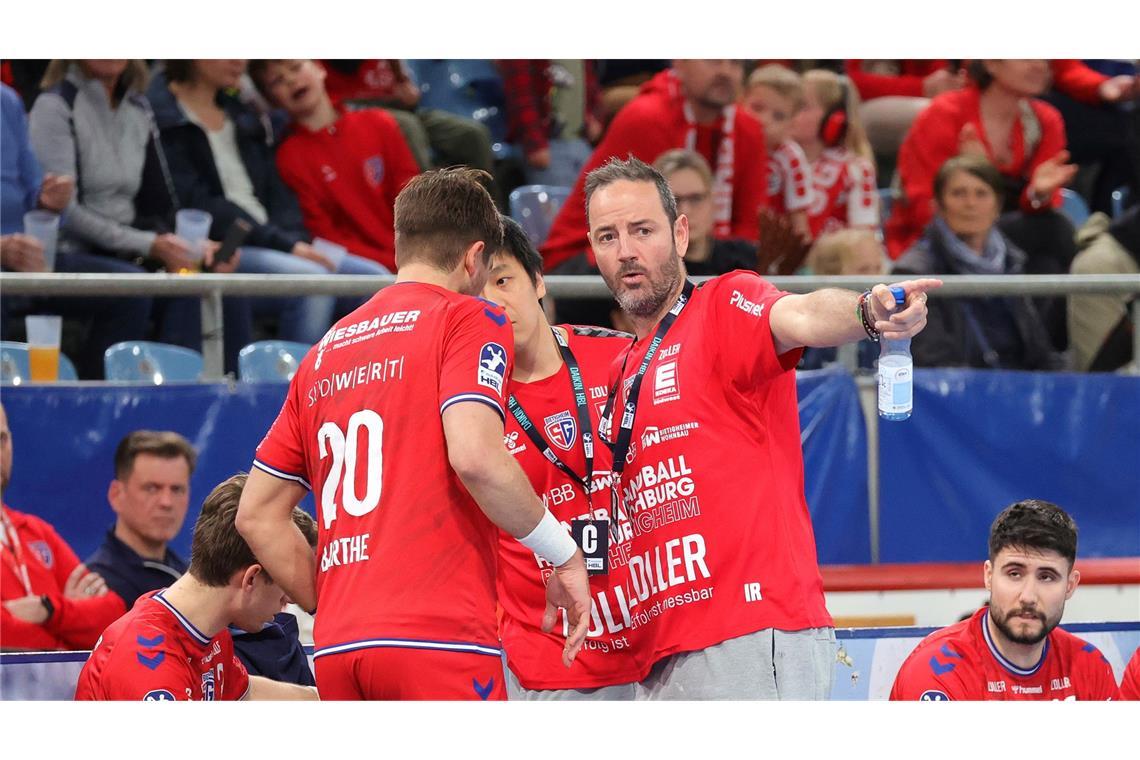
174,644
1003,332
775,95
999,118
895,91
1013,649
553,114
718,364
346,167
830,131
692,105
436,138
49,599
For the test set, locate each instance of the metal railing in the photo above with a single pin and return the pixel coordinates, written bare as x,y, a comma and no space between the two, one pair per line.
212,287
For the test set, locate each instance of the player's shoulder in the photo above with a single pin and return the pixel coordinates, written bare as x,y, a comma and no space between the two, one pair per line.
946,649
725,285
1076,647
26,521
477,308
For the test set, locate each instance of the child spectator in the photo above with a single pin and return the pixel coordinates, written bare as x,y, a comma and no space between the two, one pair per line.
346,167
830,131
774,95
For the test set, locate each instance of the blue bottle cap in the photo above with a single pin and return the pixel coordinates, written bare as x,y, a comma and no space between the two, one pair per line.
899,293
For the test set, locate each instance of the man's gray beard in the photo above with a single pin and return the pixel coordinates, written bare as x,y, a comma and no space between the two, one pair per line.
647,304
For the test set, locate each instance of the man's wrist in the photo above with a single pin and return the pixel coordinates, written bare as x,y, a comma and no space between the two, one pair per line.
45,600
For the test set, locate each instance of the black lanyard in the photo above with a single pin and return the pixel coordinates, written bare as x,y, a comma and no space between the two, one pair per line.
625,434
584,425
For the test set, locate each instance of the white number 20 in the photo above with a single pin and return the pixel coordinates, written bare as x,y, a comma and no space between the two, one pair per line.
342,446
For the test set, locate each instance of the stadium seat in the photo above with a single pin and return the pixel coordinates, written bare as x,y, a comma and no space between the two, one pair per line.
886,201
534,208
1119,200
466,87
15,370
270,361
146,362
1074,207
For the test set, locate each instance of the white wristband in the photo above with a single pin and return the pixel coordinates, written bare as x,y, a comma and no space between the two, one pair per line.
550,540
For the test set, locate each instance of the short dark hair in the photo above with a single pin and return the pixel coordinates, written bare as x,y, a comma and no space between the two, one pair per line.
978,166
634,170
517,245
164,444
257,68
217,550
1034,524
441,213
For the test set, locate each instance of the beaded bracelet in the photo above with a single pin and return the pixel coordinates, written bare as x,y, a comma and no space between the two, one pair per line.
864,318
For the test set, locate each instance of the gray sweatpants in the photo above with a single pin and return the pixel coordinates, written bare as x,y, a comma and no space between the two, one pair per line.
767,664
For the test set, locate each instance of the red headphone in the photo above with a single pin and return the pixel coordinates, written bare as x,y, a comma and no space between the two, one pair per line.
833,126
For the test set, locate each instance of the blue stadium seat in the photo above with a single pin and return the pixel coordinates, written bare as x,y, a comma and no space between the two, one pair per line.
270,361
1119,200
15,370
145,362
1074,207
534,208
468,87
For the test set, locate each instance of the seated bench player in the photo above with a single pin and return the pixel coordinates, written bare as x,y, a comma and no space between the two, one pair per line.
174,644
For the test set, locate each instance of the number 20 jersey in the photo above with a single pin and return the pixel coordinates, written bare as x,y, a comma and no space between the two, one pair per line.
405,556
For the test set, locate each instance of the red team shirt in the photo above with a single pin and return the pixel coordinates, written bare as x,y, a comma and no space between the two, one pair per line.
536,657
843,192
720,543
405,556
1130,681
962,662
154,653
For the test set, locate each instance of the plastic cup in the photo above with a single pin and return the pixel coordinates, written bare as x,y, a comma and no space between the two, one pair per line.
44,227
334,252
43,347
193,226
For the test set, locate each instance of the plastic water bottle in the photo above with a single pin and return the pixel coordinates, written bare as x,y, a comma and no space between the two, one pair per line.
896,372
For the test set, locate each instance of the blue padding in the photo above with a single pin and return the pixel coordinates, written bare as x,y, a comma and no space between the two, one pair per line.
981,440
834,439
65,439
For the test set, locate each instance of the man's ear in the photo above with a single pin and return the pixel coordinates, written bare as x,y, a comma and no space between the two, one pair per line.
472,256
115,494
681,235
988,573
540,286
249,575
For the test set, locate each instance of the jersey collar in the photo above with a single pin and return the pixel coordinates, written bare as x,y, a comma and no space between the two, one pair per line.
195,634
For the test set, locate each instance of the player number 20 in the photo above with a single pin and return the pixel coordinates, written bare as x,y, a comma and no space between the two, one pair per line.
342,445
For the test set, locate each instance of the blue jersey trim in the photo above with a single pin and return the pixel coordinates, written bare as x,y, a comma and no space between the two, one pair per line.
281,474
445,646
474,397
200,637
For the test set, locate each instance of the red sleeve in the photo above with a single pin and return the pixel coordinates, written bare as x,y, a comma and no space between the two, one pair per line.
1130,681
77,622
593,90
282,453
401,164
235,685
20,634
525,86
1078,81
1052,143
932,139
740,312
750,186
871,86
478,353
926,678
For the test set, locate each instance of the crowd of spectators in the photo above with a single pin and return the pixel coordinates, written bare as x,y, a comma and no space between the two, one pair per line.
768,158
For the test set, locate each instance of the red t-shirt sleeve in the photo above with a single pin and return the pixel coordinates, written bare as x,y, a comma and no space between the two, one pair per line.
740,310
478,353
1077,80
871,86
932,139
281,453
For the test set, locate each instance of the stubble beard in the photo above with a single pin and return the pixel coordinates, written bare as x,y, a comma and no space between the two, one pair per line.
647,300
1003,624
